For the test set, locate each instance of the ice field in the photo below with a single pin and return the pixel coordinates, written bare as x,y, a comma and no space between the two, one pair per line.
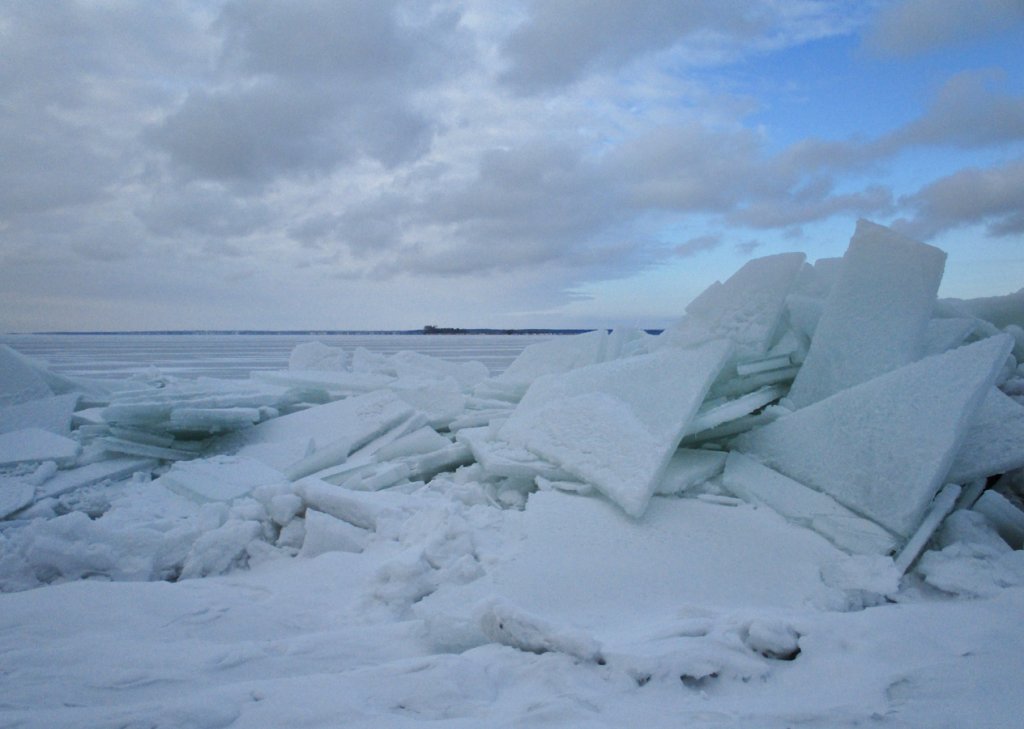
800,505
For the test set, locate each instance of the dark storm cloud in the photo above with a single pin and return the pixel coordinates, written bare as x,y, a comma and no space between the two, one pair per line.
909,27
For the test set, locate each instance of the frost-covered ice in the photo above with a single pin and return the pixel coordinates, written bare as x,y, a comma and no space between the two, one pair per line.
619,530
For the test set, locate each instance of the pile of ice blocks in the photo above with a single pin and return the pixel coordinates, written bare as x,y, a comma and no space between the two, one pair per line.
842,395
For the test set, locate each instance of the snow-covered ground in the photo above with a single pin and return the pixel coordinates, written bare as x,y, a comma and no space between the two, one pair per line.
606,530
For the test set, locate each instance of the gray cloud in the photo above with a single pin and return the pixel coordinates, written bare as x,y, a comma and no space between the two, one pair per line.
910,27
991,197
697,245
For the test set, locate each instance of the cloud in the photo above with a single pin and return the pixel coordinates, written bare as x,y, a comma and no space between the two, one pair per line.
747,248
698,245
561,42
911,27
991,197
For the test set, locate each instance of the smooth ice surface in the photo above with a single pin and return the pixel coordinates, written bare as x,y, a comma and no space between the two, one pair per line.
876,316
995,440
885,447
616,424
19,380
36,444
757,483
218,478
49,413
746,309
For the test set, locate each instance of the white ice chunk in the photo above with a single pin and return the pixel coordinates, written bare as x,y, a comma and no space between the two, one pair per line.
1007,518
343,425
688,468
317,356
804,313
422,440
616,424
733,409
360,509
883,448
417,365
49,413
36,444
1001,311
219,478
336,383
877,315
995,440
504,623
757,483
940,508
212,420
15,494
441,399
944,334
746,309
500,458
113,469
554,356
20,380
325,533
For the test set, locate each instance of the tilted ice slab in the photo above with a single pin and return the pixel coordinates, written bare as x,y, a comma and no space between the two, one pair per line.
19,380
616,424
330,431
35,444
746,309
219,478
876,316
885,447
554,356
49,413
994,442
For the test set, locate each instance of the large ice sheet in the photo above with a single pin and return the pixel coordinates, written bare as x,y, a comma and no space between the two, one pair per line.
49,413
876,316
995,440
35,444
884,447
554,356
218,478
341,427
616,424
19,380
746,309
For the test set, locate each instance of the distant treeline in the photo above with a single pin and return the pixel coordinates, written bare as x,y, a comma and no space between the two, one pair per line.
429,329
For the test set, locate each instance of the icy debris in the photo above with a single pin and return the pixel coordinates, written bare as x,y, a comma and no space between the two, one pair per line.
616,424
1007,519
36,444
416,365
441,399
219,478
747,309
49,413
688,468
317,356
876,316
112,469
994,442
938,510
555,356
20,380
15,495
325,533
504,623
884,447
944,334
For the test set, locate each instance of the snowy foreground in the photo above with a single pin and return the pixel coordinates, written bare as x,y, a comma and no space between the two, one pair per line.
798,506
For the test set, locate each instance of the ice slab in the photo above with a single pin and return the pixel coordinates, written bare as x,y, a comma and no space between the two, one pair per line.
876,316
500,458
616,424
746,309
219,478
995,440
212,420
690,467
325,533
36,444
113,469
938,510
943,334
711,417
1007,518
441,399
417,365
337,383
19,379
49,413
883,448
317,356
757,483
15,495
554,356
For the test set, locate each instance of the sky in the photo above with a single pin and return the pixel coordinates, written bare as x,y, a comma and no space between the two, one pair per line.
388,164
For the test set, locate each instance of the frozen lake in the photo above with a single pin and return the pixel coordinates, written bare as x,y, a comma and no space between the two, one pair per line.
234,356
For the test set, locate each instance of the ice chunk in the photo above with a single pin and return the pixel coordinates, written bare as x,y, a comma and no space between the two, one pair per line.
1007,518
15,495
421,440
217,551
338,384
746,309
940,508
877,315
324,533
113,469
416,365
943,334
554,356
211,420
688,468
36,444
343,425
219,478
504,623
317,356
50,413
440,399
616,424
500,458
995,440
754,482
733,409
883,448
1001,311
19,379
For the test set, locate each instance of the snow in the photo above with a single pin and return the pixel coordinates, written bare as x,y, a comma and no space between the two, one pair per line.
377,538
876,316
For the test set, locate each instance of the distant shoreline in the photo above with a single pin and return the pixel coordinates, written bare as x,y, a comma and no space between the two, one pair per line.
321,332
